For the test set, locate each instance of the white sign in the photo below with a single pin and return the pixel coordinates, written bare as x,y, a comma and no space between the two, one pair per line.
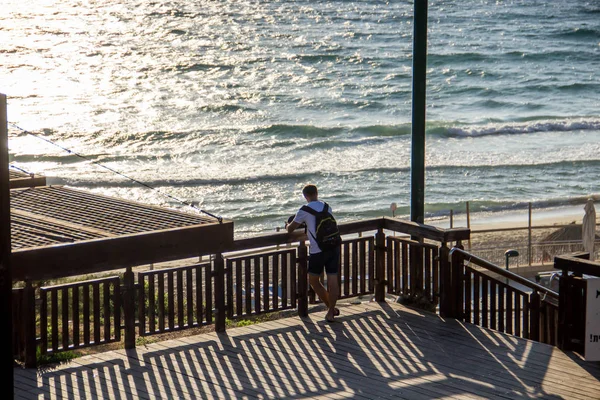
592,320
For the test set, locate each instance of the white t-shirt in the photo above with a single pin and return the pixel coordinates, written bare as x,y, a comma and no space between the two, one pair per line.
311,223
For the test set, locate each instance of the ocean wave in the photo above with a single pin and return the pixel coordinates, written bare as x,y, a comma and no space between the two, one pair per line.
520,128
578,33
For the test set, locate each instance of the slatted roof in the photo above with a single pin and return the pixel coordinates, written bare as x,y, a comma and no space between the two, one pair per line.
54,225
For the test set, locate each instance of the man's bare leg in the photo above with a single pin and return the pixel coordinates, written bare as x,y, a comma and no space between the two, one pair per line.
333,292
315,283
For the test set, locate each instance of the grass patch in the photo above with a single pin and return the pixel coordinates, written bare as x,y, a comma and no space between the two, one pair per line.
55,358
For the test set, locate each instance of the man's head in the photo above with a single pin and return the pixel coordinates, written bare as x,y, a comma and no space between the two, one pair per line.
310,193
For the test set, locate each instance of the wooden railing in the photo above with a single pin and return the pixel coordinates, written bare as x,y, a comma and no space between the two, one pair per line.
498,303
254,276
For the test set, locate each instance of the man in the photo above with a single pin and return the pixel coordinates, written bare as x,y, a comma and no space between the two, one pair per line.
327,259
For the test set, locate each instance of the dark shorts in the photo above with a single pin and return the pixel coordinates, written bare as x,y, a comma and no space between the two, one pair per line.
330,260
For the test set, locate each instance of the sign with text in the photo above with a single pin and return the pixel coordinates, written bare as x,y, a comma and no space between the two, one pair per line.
592,320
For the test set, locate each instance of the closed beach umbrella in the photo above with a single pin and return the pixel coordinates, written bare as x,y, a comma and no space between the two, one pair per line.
588,229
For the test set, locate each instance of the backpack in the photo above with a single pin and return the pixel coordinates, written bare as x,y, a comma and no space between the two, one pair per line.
326,229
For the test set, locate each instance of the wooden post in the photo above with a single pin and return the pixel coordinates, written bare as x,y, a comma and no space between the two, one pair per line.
457,274
29,326
451,219
534,316
302,279
6,356
529,249
445,287
380,265
219,271
469,223
129,308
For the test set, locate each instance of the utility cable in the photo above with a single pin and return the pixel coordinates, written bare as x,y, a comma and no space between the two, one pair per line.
114,171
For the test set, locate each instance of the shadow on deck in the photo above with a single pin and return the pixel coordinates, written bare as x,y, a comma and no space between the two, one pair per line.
375,350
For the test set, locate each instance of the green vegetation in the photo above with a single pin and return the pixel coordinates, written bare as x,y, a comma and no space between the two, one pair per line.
56,358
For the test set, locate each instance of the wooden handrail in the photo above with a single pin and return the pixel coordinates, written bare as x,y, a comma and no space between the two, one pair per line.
501,271
426,231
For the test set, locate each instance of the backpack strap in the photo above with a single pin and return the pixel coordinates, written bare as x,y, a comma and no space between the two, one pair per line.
311,211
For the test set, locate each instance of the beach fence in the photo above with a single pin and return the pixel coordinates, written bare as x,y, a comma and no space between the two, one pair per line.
255,276
536,244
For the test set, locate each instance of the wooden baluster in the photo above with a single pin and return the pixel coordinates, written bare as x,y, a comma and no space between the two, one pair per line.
86,313
117,308
476,299
76,315
238,287
427,266
371,265
180,313
266,282
219,270
257,284
54,318
509,310
518,298
493,301
501,314
445,287
362,262
347,276
29,325
64,313
275,280
229,288
403,286
189,291
142,305
171,300
209,278
484,301
380,265
199,298
107,313
128,308
534,316
390,265
161,302
466,309
248,286
302,280
354,268
284,280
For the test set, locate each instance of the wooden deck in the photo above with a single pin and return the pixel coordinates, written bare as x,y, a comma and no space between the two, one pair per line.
375,350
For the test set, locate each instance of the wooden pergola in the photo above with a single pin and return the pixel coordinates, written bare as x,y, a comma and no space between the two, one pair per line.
58,231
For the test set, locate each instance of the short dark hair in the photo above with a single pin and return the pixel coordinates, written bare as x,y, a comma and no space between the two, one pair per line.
310,190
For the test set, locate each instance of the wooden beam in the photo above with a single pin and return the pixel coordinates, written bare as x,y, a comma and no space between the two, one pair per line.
17,183
98,255
426,231
6,354
577,265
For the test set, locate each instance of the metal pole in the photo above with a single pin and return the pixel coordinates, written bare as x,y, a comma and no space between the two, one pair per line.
417,169
6,356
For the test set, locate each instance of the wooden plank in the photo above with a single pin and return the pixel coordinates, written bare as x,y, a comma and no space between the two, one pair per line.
161,302
76,327
436,276
275,280
371,264
354,270
476,299
390,264
189,291
265,271
171,299
257,284
284,280
509,310
151,304
493,301
86,314
347,276
180,308
117,305
106,309
501,314
96,306
44,321
208,286
238,288
485,300
518,315
199,299
404,274
427,275
54,318
141,298
64,313
106,254
467,295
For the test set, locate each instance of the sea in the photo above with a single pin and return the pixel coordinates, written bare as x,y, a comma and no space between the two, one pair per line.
235,105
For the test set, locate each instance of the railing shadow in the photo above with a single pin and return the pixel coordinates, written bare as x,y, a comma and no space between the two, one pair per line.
375,350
